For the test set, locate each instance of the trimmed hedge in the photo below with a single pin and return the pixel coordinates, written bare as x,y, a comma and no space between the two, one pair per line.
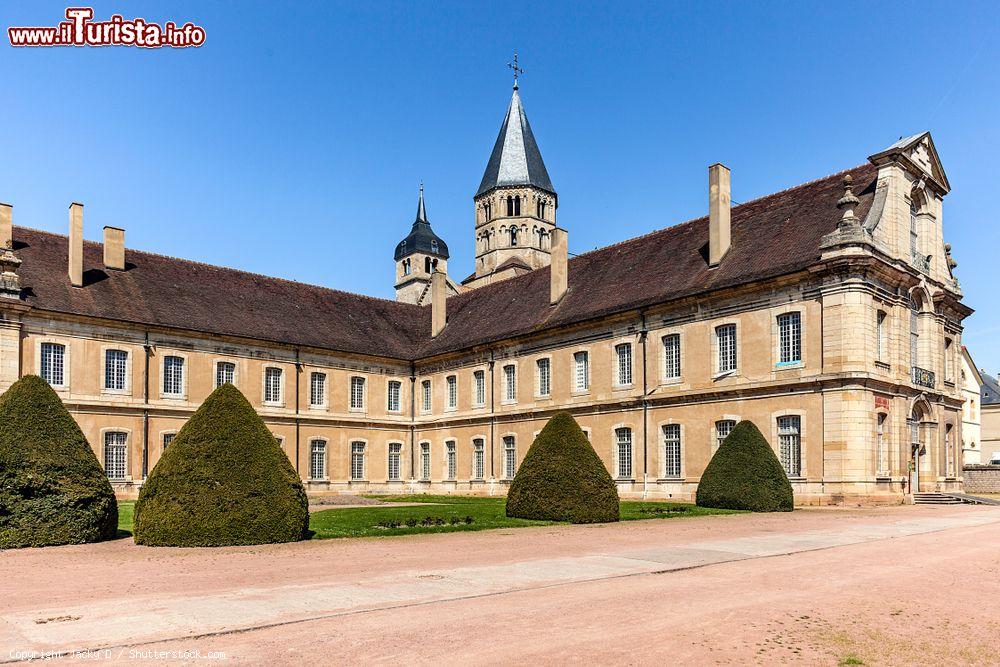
52,488
562,478
745,474
223,481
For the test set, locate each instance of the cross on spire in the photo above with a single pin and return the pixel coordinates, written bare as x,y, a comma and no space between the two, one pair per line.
517,70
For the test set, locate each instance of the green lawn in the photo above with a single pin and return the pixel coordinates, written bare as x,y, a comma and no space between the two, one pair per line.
443,514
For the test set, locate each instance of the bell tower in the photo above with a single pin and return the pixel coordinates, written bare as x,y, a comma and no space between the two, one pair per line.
516,203
417,257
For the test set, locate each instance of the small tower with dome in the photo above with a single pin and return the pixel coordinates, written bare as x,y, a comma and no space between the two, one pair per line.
417,257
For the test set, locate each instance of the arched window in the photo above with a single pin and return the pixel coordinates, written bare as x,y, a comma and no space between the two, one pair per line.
488,211
517,205
406,266
510,205
427,264
513,236
541,209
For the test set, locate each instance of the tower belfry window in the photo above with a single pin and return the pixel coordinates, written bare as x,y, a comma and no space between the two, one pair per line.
517,205
513,236
427,264
510,205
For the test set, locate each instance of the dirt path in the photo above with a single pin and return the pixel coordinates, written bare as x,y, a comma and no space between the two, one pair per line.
887,585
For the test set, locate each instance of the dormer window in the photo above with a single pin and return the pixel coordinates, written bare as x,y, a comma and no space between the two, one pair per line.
434,246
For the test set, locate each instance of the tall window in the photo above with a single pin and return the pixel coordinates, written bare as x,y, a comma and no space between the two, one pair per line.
722,430
509,457
914,233
880,349
623,437
173,376
115,454
513,236
949,363
272,385
914,332
790,445
672,356
478,458
357,393
450,459
581,374
395,454
480,386
881,451
225,373
425,390
406,266
425,461
115,362
623,353
725,338
452,392
544,376
392,404
949,450
167,439
510,206
357,460
52,365
317,459
672,450
510,383
317,389
790,338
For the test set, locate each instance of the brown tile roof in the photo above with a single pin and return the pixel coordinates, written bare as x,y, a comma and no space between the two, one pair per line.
771,236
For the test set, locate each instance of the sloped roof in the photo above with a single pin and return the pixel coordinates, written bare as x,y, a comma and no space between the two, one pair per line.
989,393
516,159
771,236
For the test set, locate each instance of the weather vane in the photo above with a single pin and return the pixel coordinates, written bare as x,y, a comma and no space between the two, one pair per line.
517,70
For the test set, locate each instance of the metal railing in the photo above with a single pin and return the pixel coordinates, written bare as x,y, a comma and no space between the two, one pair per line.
922,262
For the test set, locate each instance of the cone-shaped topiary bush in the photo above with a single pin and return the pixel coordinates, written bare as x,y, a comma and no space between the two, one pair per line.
223,481
52,489
745,474
562,478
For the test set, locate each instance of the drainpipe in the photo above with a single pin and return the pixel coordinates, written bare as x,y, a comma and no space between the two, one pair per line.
493,418
147,351
413,420
298,381
645,407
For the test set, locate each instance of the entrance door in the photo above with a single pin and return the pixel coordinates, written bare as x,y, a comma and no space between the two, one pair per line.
915,469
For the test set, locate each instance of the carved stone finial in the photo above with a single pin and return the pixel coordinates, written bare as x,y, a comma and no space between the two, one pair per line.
10,284
847,203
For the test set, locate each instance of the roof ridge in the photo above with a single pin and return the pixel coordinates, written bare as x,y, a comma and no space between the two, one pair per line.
224,268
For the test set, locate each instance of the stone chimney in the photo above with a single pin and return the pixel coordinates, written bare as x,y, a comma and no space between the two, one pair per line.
439,308
559,266
114,248
76,244
719,227
6,226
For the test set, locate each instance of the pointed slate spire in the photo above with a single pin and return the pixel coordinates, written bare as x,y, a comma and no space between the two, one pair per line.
421,237
516,159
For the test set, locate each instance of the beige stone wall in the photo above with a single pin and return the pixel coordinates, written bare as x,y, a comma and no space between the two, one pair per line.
990,431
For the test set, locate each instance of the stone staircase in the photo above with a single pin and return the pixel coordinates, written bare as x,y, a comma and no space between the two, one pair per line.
951,499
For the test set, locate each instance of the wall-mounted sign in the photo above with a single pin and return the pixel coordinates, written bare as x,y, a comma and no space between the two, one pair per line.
882,402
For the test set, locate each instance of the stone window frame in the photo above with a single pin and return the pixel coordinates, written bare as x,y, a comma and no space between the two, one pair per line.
883,335
326,458
388,453
388,383
127,391
128,453
615,463
215,371
713,434
448,476
67,358
661,450
615,368
428,469
803,440
576,390
887,443
737,371
325,403
776,362
448,380
503,456
185,375
662,335
426,392
163,434
472,461
538,377
504,400
364,460
280,403
363,408
475,398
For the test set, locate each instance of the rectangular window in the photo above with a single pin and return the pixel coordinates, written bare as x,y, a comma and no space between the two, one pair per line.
949,450
581,375
510,383
480,382
225,373
393,400
450,459
357,393
790,338
790,445
880,335
914,334
509,457
452,392
317,460
395,451
623,353
425,461
173,376
317,389
115,362
881,451
478,458
949,367
544,376
272,385
53,364
167,439
115,454
357,460
725,337
722,430
623,437
672,450
672,357
425,389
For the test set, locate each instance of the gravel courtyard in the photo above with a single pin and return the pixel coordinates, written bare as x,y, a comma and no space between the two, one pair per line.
902,585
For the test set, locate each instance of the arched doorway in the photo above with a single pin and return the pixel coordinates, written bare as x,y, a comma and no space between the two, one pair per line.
920,426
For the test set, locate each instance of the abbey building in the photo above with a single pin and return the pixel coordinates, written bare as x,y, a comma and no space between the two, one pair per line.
827,313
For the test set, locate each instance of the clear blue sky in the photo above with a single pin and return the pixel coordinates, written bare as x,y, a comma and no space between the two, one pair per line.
292,143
